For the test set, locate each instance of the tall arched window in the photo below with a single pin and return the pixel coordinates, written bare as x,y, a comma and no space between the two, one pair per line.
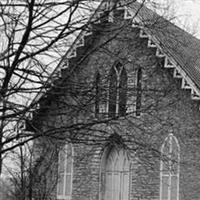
122,92
65,169
97,93
115,175
117,91
169,179
139,92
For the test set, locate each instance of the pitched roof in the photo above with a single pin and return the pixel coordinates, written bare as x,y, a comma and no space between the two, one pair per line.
179,48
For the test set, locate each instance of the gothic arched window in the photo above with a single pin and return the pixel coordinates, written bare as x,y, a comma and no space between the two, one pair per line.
65,170
97,93
122,92
117,91
169,179
115,175
139,92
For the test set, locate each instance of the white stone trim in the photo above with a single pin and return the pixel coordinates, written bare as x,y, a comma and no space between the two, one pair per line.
168,63
30,115
176,73
80,42
195,95
151,44
185,84
159,53
135,23
128,14
87,33
65,64
143,34
72,53
119,6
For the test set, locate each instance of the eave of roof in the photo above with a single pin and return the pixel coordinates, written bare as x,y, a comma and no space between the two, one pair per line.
179,49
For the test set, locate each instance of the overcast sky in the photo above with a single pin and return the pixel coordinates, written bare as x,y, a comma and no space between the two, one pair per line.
187,14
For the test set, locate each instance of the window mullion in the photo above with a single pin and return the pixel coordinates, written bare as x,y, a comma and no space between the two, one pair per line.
112,177
65,172
170,167
117,96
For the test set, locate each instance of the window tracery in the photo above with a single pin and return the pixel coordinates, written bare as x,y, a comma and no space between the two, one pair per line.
65,171
169,179
115,175
117,91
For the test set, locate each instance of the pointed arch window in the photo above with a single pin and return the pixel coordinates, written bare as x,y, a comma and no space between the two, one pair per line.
139,92
169,182
65,169
97,93
117,91
115,175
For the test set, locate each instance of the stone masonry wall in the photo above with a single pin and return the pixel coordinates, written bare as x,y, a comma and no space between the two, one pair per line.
165,109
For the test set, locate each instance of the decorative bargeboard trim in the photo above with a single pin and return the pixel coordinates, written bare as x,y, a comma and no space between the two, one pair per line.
169,62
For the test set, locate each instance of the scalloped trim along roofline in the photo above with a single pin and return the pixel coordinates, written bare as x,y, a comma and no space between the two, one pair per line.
130,13
170,62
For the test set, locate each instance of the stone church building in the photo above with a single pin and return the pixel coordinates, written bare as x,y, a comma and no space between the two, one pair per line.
122,121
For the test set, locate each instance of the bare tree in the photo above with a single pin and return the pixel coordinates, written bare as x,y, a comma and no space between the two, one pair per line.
35,36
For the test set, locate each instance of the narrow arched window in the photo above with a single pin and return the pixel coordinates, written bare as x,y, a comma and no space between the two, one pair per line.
112,92
115,175
139,92
122,92
169,179
97,93
65,169
117,91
